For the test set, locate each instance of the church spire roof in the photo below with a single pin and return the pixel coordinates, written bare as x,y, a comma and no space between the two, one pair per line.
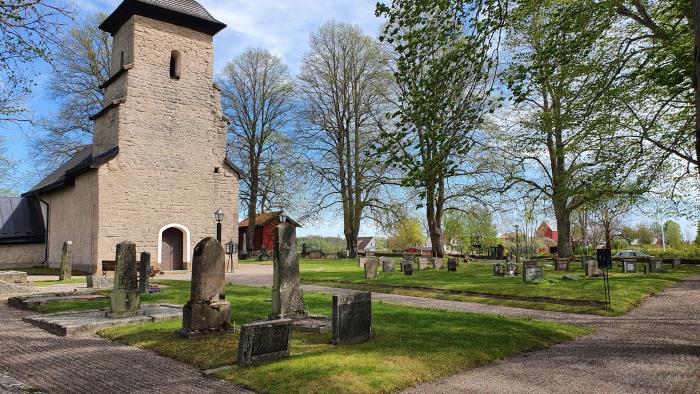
187,13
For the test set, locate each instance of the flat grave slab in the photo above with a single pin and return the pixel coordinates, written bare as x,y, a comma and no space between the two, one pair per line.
86,322
315,324
28,302
14,277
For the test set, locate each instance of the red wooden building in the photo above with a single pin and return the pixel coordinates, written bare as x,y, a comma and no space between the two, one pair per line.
264,230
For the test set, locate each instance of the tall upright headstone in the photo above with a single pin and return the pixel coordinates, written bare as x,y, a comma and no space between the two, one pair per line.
66,261
207,310
125,299
371,268
422,263
144,271
287,296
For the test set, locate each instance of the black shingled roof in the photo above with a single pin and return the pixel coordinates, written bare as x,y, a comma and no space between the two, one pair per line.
21,221
188,13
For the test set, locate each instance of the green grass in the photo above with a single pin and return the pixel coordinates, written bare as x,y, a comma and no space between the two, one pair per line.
628,290
42,283
410,345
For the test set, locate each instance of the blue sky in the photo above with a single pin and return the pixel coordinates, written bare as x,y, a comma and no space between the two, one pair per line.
282,26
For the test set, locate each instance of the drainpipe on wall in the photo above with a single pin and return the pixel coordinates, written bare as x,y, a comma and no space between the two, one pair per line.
46,233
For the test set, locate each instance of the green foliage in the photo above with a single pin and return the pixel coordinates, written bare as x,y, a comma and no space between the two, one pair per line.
444,65
317,242
645,235
406,233
674,237
697,236
464,229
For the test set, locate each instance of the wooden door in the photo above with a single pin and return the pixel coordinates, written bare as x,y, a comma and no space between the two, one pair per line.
171,250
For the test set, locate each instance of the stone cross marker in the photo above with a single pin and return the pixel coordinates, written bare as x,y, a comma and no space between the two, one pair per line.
287,296
352,317
371,268
66,261
264,341
388,265
125,299
207,310
144,271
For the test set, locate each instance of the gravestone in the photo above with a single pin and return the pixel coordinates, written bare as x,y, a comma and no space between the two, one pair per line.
243,255
371,268
388,265
422,263
264,341
656,265
561,264
18,277
437,263
511,268
352,317
317,255
99,282
125,299
584,261
287,296
499,269
361,261
452,264
676,263
144,271
592,269
532,273
66,261
407,268
629,266
207,310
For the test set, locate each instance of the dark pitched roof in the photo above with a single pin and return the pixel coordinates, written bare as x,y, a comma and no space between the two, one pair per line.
362,242
187,13
65,174
21,221
264,218
236,169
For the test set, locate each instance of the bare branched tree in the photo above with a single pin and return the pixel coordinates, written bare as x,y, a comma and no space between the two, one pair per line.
27,31
257,94
344,83
81,65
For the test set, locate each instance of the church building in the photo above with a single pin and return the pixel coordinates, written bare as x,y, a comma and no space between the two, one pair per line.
156,170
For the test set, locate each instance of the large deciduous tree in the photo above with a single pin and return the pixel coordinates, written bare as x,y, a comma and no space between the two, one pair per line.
444,67
344,83
565,75
81,64
406,233
256,92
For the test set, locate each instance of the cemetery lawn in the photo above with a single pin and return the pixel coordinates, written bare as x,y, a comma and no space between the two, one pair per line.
41,271
410,345
628,290
42,283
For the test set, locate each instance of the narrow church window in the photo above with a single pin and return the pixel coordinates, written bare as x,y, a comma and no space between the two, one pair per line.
121,61
175,62
217,170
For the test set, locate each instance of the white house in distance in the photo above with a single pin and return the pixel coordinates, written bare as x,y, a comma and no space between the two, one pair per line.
156,170
366,244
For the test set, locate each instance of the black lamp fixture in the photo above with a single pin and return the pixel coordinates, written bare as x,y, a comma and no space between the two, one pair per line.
219,216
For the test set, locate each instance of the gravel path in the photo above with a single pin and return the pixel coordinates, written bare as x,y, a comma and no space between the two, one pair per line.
31,357
653,349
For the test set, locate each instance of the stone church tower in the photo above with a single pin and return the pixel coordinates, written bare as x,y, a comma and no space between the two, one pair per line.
156,171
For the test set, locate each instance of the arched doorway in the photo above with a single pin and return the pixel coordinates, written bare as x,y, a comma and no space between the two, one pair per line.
171,252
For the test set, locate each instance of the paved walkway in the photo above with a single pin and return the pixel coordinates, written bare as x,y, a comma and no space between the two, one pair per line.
31,357
653,349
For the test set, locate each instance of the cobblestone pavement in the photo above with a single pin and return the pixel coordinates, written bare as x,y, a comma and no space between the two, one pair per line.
57,365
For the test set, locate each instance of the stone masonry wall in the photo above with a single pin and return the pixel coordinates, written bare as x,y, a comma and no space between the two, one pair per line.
172,141
14,256
72,217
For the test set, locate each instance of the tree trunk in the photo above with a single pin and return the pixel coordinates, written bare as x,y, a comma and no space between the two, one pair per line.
563,217
696,81
252,208
434,222
351,243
